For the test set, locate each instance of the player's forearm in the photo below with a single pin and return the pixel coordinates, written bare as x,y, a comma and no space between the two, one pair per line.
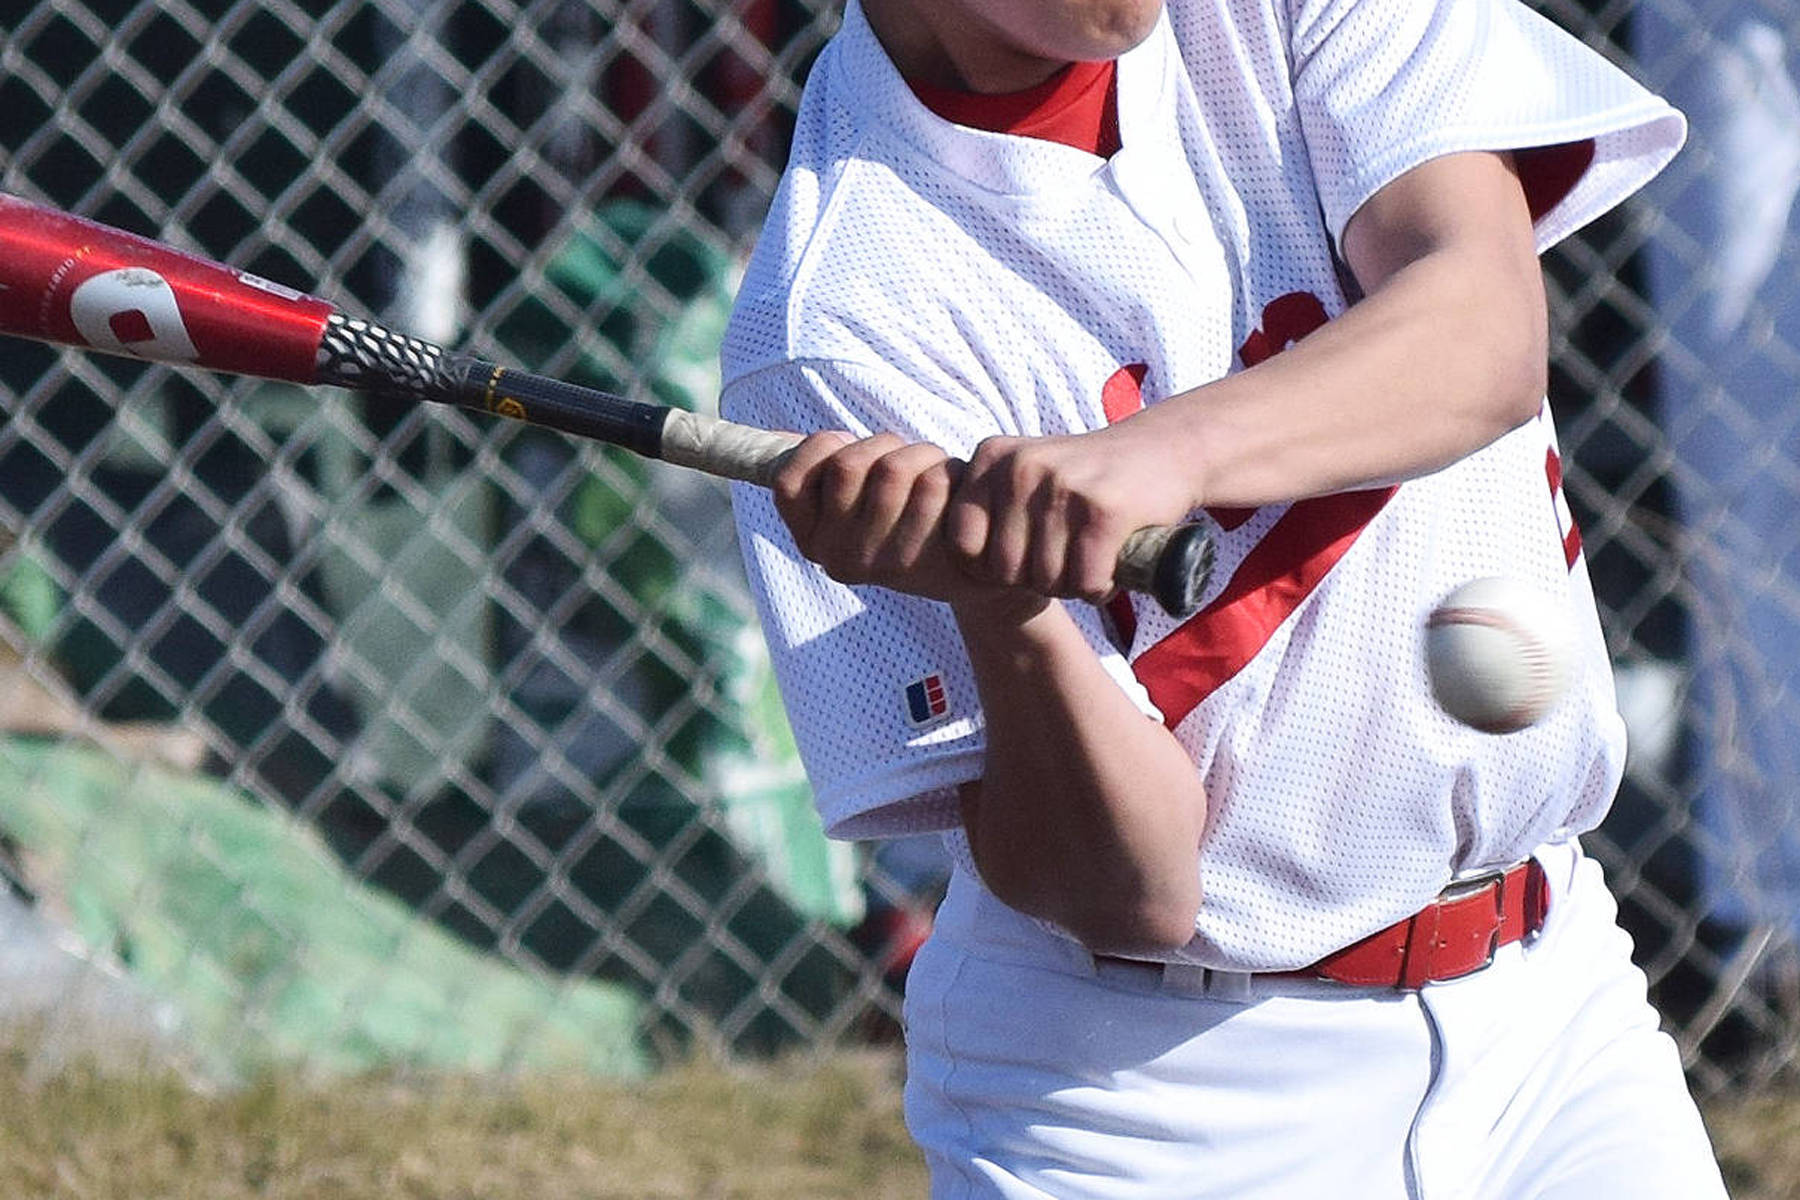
1088,813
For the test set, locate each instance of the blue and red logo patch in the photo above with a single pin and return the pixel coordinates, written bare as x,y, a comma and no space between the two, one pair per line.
926,700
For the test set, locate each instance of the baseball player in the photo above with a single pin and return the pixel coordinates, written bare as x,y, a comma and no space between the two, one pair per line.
1237,911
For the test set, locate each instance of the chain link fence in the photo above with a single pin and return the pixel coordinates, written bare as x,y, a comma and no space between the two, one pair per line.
346,734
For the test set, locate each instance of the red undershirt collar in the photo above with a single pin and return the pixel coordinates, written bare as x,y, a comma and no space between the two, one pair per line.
1077,106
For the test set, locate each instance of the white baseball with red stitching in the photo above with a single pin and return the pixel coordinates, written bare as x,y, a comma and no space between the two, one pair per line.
1498,651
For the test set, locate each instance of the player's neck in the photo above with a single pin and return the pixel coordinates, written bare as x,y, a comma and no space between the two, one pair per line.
945,46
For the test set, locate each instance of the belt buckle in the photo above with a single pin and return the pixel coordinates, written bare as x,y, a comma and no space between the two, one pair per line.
1494,882
1467,885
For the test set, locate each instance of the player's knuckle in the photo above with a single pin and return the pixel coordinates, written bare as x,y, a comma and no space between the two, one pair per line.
986,451
891,472
993,454
820,446
922,456
965,530
840,477
786,489
932,488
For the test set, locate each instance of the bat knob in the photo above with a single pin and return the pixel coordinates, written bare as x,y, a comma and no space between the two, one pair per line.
1172,563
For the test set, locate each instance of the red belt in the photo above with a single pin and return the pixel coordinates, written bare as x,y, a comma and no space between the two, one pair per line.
1455,935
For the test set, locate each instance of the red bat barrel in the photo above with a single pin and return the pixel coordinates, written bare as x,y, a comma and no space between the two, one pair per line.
76,282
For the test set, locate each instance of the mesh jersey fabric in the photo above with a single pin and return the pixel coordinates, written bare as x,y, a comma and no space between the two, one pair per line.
951,284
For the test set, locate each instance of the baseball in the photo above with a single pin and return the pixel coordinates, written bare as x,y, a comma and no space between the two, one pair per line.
1497,651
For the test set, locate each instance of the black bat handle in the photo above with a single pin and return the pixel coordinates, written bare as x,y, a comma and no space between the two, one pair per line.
360,354
569,407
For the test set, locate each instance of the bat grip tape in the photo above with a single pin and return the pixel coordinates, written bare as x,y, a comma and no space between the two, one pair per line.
724,447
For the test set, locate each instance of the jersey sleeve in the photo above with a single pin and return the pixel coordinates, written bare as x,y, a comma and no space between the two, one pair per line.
877,685
1383,86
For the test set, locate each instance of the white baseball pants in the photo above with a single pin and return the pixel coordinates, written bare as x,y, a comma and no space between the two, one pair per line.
1034,1072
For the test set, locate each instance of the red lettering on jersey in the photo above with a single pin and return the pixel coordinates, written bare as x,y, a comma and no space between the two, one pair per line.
1123,394
1286,319
1274,579
1553,470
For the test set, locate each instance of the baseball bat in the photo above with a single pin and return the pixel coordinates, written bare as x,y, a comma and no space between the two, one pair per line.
75,282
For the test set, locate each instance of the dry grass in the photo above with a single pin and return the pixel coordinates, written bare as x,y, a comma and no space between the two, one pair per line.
808,1128
1758,1140
821,1129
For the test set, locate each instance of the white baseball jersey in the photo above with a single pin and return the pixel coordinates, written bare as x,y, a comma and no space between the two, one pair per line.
951,285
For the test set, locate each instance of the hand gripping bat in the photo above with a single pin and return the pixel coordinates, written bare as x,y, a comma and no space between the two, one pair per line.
75,282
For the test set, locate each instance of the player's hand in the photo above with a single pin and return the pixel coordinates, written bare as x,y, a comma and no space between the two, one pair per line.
871,511
1050,513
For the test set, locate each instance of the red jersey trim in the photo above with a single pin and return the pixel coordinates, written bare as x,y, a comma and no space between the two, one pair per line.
1274,579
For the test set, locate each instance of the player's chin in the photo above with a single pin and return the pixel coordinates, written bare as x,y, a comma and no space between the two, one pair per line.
1116,26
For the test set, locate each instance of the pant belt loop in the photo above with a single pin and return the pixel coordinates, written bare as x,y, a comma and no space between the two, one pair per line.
1233,987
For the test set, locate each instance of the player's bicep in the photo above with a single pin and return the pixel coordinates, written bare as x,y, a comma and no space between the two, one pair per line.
1469,205
1452,241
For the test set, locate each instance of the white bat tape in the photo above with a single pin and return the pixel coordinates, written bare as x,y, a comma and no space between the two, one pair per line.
723,447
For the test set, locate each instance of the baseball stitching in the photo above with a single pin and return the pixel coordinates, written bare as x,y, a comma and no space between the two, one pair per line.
1538,666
